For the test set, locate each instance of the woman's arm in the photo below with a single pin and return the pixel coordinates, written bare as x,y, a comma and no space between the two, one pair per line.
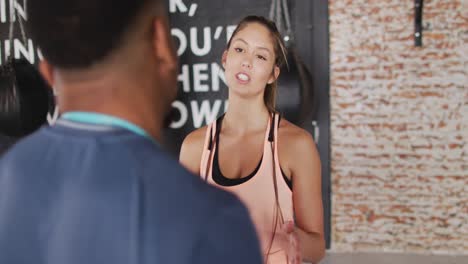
305,168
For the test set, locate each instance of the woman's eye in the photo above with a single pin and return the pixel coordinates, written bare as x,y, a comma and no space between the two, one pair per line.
261,57
238,49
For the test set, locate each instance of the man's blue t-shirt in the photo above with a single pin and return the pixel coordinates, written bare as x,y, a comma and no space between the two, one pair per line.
78,193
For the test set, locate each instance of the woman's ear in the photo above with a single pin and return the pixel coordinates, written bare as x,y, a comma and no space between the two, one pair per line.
223,59
274,74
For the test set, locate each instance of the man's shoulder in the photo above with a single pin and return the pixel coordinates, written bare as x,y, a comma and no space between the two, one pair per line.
18,151
185,185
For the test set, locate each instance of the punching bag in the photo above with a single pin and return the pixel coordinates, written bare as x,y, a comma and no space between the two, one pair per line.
296,100
24,94
24,98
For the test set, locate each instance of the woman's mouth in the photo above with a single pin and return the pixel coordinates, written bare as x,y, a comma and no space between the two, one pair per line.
243,77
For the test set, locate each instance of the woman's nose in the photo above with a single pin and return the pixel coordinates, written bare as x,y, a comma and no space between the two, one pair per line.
246,63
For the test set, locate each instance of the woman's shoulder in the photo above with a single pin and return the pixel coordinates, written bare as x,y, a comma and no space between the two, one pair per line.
196,136
192,149
195,140
296,149
293,135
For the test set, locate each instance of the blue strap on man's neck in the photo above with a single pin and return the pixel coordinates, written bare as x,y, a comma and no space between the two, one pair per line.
106,120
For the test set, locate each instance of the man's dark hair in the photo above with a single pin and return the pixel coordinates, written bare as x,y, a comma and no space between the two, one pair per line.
77,33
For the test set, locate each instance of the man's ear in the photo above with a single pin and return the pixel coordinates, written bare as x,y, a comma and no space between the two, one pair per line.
163,46
47,72
274,75
223,59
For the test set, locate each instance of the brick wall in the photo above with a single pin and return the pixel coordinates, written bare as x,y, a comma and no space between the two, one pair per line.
399,118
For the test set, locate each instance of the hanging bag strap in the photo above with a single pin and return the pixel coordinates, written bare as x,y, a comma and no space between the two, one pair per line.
15,17
279,13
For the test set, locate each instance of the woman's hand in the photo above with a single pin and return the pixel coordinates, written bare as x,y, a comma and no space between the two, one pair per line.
294,250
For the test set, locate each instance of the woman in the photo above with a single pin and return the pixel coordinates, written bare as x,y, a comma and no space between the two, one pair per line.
272,165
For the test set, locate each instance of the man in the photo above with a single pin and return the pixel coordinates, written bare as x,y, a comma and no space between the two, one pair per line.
96,187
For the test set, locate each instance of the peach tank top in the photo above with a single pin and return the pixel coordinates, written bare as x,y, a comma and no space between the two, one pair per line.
257,191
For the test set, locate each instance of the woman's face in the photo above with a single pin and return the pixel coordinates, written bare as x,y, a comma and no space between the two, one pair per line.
249,63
